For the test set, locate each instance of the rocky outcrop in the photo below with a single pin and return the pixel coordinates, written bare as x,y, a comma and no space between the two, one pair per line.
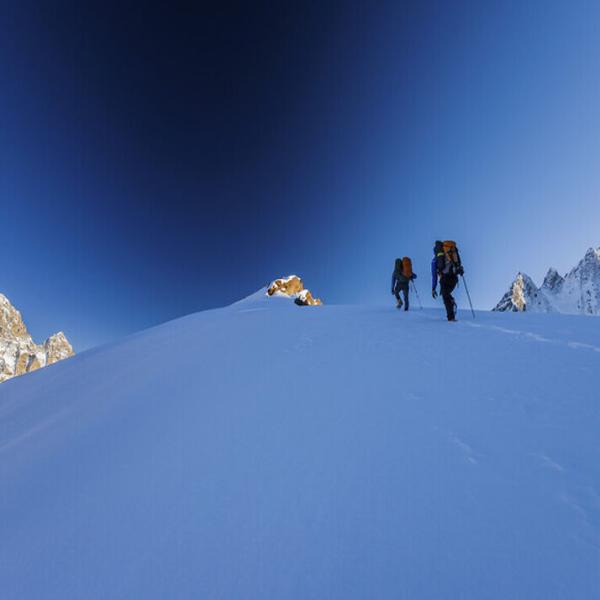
19,354
578,292
293,287
553,281
57,348
305,298
522,295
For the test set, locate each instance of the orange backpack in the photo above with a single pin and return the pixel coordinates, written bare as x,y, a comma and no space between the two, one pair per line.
407,267
451,252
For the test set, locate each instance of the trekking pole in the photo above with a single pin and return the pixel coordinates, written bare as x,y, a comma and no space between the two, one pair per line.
468,295
417,294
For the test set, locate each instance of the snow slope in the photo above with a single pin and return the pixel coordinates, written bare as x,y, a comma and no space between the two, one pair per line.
332,452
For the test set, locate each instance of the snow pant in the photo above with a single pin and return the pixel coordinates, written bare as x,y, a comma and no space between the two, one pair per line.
447,285
404,288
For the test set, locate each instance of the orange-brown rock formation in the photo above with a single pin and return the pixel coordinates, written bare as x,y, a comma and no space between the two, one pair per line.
19,354
293,287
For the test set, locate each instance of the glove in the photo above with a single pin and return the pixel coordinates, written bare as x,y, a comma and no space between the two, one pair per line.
460,271
433,294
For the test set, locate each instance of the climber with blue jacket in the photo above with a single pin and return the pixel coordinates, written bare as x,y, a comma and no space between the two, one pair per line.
401,278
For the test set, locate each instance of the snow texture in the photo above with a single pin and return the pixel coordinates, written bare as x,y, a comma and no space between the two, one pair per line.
578,292
341,453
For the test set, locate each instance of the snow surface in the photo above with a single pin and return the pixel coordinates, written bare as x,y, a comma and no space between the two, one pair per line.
267,450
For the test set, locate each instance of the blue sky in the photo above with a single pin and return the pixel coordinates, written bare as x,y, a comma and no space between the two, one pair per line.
155,163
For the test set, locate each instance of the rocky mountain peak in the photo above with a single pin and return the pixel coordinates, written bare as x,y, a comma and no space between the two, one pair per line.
519,295
521,289
578,292
552,280
592,255
11,323
57,348
19,354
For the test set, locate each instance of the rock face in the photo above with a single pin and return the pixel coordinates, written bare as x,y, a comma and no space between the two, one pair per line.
19,354
292,287
578,292
522,295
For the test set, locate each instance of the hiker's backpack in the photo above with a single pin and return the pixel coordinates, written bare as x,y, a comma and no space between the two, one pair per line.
452,262
407,267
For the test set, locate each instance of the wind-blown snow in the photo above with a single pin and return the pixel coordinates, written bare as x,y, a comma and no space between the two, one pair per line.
261,451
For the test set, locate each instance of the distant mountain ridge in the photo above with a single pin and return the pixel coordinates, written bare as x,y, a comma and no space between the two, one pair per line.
18,352
578,292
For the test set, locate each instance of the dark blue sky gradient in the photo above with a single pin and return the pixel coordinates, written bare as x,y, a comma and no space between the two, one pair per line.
157,161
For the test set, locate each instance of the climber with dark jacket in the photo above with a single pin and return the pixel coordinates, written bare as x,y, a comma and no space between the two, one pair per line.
446,266
401,277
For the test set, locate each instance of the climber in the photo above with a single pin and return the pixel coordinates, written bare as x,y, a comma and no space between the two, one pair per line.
401,278
446,265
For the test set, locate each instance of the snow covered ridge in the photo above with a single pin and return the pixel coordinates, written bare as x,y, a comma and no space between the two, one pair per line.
292,287
18,352
578,292
302,454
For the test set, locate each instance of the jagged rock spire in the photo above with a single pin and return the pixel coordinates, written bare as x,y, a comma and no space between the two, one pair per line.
19,354
578,292
553,280
522,294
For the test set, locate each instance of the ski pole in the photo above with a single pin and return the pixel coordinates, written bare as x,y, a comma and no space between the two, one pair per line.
468,295
417,294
